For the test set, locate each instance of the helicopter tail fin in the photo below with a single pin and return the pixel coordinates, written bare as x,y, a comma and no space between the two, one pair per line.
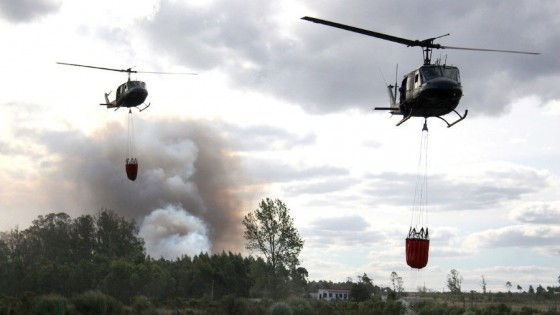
107,98
108,103
392,99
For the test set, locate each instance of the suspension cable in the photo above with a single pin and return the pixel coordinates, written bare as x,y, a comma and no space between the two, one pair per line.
420,206
131,147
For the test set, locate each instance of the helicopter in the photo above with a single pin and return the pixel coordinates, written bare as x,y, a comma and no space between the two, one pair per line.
431,90
130,94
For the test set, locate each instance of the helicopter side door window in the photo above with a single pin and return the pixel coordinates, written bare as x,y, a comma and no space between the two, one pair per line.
417,79
403,88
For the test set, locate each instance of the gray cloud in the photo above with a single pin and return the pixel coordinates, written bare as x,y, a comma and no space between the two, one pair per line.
27,10
324,69
345,223
260,138
270,171
538,214
333,184
530,236
340,231
449,193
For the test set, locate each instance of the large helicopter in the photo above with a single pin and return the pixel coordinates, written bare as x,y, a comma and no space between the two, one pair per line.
130,94
432,90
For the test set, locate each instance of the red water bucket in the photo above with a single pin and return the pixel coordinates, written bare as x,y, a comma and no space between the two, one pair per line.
131,167
417,252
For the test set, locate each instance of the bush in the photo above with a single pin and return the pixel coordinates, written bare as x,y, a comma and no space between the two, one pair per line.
300,306
51,305
9,305
141,304
96,303
231,305
280,308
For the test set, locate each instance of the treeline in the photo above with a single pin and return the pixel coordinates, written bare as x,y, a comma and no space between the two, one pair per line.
65,256
97,264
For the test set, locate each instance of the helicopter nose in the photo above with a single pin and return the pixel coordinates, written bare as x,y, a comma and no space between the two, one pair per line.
442,88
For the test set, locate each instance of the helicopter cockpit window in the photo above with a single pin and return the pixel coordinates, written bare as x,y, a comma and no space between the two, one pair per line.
430,72
133,84
434,71
452,73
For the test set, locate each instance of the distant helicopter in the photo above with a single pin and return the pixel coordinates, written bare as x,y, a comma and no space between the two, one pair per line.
432,90
130,94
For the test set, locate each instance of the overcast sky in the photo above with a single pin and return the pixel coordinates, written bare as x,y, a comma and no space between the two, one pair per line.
282,108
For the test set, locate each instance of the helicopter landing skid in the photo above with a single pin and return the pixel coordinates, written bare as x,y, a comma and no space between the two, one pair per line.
146,106
458,120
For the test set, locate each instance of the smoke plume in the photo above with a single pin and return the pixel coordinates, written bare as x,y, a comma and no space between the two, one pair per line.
172,232
184,198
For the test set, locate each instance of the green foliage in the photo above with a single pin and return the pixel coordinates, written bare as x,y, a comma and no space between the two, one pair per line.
270,230
437,309
396,282
96,303
59,255
454,281
51,304
499,309
280,308
362,290
141,305
231,305
300,306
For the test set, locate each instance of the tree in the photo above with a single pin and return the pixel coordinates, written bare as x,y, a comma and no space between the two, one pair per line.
362,290
397,282
519,288
116,237
531,290
454,280
508,286
270,230
483,284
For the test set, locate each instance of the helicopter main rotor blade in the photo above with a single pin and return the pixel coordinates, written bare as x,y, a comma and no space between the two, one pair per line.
427,43
494,50
94,67
158,72
129,70
396,39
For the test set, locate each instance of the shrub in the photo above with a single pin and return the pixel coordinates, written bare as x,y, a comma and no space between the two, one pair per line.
280,308
300,306
141,304
96,303
51,304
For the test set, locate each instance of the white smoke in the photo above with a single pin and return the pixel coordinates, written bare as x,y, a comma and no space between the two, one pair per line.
172,232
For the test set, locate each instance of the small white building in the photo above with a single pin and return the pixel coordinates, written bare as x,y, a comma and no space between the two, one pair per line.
331,294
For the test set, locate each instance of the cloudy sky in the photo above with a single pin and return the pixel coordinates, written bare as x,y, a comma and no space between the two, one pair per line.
282,108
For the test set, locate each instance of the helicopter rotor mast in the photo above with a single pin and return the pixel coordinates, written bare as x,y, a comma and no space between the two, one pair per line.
427,44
